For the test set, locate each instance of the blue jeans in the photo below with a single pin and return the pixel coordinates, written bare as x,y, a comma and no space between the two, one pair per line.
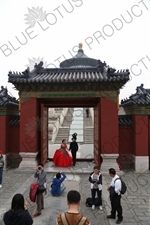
1,175
62,188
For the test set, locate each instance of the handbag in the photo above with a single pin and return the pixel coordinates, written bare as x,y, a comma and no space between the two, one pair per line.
33,191
42,188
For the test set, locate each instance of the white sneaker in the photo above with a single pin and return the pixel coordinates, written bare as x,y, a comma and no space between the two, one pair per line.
0,186
93,206
101,208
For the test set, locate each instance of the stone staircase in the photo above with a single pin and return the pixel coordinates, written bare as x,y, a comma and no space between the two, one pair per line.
63,132
88,135
88,128
68,118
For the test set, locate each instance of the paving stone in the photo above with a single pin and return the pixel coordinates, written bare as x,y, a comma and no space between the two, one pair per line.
129,223
136,204
140,213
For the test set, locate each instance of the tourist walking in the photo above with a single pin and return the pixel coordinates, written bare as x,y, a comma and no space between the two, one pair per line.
115,196
87,113
95,179
74,148
18,214
57,187
1,168
72,216
41,179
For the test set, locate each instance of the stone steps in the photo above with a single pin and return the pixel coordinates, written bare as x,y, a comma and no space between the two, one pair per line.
87,124
88,129
63,132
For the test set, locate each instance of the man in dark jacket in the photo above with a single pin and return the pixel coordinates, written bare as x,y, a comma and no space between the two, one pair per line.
74,148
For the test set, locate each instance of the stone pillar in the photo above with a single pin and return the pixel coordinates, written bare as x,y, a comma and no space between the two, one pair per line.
51,112
3,133
140,155
6,145
92,115
29,130
109,134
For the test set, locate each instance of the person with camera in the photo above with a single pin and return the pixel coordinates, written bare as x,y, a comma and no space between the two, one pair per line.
95,179
18,214
57,188
41,176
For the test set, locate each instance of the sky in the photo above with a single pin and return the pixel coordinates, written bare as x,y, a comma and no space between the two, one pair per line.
114,31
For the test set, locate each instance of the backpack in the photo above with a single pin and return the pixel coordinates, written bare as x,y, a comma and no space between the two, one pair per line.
123,186
89,202
33,190
64,221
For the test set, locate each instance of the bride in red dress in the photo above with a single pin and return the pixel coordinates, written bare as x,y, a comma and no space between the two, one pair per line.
62,158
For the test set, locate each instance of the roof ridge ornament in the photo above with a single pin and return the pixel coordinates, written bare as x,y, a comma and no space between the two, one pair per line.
26,73
39,65
140,89
6,99
80,45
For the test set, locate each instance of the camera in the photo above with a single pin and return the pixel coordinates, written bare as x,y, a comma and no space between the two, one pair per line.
39,167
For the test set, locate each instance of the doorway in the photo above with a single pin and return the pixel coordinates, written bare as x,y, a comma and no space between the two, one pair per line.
60,121
63,123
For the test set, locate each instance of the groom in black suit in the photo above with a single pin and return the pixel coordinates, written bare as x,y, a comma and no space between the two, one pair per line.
74,148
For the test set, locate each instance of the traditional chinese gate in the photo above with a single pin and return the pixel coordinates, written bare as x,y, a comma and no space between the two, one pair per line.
79,82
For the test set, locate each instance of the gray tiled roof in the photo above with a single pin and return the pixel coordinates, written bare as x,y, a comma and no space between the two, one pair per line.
69,75
122,120
79,60
6,99
141,97
125,120
80,54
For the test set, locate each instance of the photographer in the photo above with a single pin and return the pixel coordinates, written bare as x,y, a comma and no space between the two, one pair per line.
57,189
41,176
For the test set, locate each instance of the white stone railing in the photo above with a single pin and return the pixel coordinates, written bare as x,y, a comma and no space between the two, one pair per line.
92,115
57,124
62,116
